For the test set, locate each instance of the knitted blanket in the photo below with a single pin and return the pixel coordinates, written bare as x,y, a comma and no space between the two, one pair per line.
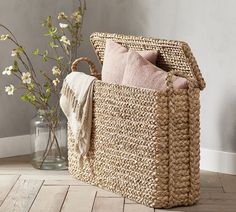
76,103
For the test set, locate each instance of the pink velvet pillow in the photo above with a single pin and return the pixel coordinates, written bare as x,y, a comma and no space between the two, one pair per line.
141,73
115,59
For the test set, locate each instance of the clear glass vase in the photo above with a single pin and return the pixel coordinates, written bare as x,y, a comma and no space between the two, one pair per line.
49,141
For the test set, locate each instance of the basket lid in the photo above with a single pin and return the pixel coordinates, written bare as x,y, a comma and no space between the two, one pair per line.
172,55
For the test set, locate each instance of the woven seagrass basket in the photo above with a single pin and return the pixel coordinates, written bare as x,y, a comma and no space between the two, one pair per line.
145,143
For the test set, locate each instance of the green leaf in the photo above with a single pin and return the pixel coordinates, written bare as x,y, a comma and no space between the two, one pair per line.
49,20
46,84
31,87
15,66
48,93
59,58
32,98
53,45
20,49
46,34
48,90
43,98
24,98
51,32
45,56
15,63
28,97
55,37
36,52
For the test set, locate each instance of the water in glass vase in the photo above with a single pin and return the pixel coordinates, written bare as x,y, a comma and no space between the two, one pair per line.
49,141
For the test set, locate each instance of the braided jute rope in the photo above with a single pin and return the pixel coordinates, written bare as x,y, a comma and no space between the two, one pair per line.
92,67
144,143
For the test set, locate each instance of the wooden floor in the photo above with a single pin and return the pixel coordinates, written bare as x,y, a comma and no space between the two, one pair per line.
23,188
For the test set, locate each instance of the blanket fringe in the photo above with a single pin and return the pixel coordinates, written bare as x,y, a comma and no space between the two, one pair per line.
70,95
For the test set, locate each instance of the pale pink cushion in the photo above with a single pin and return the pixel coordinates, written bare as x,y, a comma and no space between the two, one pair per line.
141,73
115,59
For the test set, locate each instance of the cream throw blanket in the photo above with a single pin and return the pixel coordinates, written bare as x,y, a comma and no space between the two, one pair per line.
76,103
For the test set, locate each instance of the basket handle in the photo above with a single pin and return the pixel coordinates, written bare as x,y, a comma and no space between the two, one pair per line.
92,67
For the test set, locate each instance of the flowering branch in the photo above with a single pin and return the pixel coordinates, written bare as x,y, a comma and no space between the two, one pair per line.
65,39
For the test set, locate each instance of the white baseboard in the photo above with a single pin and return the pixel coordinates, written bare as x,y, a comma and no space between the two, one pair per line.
211,160
218,161
14,146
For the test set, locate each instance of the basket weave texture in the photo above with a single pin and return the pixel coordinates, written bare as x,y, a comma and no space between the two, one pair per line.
145,143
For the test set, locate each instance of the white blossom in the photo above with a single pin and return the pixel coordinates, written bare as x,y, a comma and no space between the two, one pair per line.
10,89
63,26
65,40
14,52
4,37
61,15
56,70
77,16
26,77
56,82
7,70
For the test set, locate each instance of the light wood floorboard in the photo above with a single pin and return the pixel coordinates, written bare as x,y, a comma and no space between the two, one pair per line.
21,196
79,199
108,204
49,199
6,184
23,188
137,208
